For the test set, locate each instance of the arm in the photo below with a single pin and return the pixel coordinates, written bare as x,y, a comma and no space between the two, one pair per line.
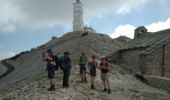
69,60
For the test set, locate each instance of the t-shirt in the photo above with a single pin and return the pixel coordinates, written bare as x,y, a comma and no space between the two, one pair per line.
82,60
104,67
50,65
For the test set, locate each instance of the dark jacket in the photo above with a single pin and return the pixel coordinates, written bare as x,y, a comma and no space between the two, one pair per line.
65,63
50,66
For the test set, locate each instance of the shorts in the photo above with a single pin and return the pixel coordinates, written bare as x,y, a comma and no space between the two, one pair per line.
82,68
51,74
92,72
104,76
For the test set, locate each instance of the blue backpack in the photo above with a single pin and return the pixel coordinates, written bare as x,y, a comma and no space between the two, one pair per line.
64,63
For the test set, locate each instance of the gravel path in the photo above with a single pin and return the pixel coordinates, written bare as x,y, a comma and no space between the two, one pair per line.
2,69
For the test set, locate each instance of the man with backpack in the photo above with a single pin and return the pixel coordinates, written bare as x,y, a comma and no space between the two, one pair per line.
50,67
65,65
55,57
82,64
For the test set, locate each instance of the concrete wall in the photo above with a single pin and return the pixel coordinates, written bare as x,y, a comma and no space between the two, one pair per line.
78,23
159,82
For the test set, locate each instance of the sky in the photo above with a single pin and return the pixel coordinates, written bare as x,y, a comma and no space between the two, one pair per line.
26,24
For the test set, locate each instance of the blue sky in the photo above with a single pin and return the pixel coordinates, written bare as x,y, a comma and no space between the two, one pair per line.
25,24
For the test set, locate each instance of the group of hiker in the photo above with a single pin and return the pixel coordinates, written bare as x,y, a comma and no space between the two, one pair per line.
53,63
93,65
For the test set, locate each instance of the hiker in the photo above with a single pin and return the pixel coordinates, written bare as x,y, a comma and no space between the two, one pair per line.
82,64
93,66
104,68
50,67
65,65
55,57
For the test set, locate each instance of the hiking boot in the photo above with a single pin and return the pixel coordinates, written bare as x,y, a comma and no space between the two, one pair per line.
105,90
52,88
49,87
65,86
85,81
109,91
92,87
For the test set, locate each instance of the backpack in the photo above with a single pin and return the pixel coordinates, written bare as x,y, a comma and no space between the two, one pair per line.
83,60
57,62
64,63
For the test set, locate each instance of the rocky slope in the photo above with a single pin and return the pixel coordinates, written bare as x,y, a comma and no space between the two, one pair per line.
28,64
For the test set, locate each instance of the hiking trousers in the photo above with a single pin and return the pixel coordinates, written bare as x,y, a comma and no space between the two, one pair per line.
66,73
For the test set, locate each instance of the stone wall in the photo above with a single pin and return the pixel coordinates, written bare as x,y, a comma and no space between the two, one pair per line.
153,62
167,60
115,57
130,59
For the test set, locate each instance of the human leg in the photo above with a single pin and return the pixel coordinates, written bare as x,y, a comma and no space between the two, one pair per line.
65,78
51,75
108,83
103,78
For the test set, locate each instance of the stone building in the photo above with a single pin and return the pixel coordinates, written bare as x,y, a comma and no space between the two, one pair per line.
89,30
148,53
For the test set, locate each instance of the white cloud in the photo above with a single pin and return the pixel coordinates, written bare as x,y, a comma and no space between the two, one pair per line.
8,17
4,55
161,25
128,30
129,5
123,30
49,13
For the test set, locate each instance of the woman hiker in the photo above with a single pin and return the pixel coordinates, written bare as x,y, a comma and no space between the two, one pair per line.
93,66
104,68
